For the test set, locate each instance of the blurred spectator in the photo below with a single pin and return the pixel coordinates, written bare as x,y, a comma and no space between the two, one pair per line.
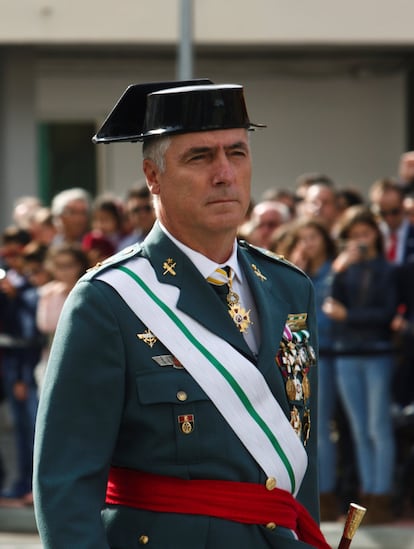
285,196
362,304
387,199
97,247
108,219
304,181
321,202
34,264
67,263
403,326
347,197
406,172
141,213
21,345
408,205
265,218
23,210
42,227
282,240
71,212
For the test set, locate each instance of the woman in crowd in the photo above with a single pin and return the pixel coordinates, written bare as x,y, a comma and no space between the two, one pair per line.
362,305
313,250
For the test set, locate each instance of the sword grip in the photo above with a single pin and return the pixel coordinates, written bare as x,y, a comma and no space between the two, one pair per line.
353,520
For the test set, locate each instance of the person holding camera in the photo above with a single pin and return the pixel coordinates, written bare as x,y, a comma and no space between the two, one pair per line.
362,304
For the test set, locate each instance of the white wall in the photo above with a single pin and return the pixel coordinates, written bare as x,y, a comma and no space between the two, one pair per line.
351,128
215,21
18,170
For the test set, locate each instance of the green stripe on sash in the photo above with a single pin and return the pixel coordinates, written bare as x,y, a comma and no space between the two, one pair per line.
219,367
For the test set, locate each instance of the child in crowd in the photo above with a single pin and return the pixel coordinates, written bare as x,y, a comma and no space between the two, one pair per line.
67,263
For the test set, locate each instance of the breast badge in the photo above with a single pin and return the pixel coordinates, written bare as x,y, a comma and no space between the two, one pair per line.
148,337
186,423
168,360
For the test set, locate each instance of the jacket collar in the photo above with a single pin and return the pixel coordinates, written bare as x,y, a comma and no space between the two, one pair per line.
197,298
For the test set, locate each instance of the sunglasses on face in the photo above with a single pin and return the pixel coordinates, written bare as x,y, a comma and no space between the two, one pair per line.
391,212
139,209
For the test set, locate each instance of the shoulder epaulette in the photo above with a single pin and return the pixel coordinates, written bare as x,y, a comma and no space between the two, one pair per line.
278,258
115,259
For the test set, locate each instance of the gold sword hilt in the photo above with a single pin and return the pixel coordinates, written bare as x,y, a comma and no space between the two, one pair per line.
353,520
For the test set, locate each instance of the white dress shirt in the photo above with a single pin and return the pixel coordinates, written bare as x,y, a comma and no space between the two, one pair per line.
239,284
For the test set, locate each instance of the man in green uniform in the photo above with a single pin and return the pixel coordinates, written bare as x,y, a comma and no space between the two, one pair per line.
179,403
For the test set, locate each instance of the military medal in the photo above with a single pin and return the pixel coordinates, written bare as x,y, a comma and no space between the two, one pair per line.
306,386
240,316
290,389
295,421
306,426
298,388
294,359
186,422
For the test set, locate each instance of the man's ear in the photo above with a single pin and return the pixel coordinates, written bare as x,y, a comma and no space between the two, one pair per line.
152,175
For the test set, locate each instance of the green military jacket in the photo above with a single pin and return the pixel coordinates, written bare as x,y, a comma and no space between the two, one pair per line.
107,402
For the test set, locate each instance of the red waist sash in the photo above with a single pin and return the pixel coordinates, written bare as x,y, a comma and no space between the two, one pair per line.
237,501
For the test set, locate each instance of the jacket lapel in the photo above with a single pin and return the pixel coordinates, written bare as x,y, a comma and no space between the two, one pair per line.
272,319
197,298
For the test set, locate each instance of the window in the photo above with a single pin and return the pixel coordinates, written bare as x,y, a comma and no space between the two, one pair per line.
66,158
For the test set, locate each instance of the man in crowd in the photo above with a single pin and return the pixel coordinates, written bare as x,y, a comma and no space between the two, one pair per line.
180,396
387,199
71,211
140,212
321,202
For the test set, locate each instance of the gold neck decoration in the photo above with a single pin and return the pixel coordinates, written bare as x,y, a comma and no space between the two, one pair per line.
240,316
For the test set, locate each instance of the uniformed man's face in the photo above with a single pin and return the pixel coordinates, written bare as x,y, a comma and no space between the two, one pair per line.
205,186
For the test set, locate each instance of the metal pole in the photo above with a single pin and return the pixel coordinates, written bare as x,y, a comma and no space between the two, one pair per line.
185,49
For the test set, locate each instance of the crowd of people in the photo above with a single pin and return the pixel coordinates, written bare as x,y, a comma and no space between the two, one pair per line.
43,254
359,253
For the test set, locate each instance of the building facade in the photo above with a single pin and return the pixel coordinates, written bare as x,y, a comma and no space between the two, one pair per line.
333,83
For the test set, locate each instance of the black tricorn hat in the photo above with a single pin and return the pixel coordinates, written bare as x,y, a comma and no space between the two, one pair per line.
166,108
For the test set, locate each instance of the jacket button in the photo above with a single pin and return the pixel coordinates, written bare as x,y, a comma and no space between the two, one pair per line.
182,396
143,540
271,483
271,526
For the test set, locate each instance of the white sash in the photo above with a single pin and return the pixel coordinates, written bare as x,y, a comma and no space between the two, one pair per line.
233,383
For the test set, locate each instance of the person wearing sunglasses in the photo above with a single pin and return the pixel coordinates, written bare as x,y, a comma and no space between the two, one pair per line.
387,200
140,214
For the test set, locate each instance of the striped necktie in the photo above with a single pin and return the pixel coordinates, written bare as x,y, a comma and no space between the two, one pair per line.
220,280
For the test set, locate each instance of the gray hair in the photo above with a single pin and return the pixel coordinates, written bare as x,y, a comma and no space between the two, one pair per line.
154,149
62,199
